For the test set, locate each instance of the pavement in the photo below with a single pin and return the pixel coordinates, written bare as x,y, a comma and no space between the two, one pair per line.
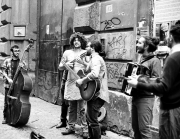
43,119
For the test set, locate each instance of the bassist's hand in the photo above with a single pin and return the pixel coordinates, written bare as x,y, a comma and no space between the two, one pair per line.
10,81
22,64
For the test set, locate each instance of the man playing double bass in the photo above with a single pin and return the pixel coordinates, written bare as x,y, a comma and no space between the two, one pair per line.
9,69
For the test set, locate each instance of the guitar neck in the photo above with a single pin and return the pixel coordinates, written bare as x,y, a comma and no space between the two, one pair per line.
69,69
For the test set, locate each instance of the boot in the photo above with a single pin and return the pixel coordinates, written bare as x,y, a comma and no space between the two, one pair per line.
61,124
64,110
90,132
4,121
96,131
68,131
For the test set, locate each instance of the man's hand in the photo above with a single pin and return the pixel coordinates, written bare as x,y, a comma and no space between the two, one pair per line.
81,61
22,64
132,81
71,65
79,82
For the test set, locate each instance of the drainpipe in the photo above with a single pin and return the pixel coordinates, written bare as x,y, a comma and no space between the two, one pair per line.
37,46
60,50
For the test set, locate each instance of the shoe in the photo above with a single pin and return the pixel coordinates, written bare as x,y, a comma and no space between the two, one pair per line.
68,132
61,124
87,138
4,121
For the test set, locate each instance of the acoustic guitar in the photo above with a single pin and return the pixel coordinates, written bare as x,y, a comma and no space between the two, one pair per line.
87,89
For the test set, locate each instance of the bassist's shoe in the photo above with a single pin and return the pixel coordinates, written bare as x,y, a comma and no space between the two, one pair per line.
68,132
4,121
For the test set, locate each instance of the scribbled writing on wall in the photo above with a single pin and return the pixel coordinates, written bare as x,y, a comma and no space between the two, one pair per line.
119,45
47,80
109,24
115,70
48,86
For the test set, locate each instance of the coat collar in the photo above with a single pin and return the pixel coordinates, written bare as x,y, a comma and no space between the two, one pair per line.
94,54
175,48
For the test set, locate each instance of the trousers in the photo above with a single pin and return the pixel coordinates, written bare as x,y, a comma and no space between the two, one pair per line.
93,108
169,124
64,106
142,115
5,103
74,107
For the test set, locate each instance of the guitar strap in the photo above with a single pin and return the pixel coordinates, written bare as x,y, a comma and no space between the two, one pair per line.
146,59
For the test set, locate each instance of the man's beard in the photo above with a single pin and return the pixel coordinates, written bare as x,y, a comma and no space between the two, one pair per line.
170,43
15,56
77,45
140,51
88,52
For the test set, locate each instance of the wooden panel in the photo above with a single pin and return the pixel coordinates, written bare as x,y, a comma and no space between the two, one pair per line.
6,4
0,6
4,47
115,14
0,20
6,17
84,1
115,70
20,12
5,35
119,45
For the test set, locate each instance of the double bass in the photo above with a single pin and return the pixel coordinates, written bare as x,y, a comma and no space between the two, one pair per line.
18,105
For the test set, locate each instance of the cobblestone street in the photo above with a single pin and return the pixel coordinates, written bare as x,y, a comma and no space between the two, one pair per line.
43,119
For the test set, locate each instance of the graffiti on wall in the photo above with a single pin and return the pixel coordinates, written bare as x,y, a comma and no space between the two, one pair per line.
119,45
110,24
48,85
115,70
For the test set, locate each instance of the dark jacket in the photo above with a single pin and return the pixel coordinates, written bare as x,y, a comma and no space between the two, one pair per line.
154,66
168,87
